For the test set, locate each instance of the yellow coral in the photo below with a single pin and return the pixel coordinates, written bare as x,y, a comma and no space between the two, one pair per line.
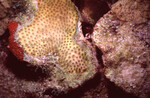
53,20
52,32
53,38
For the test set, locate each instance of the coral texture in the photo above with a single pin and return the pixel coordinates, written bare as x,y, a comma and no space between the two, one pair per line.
123,35
4,5
53,39
47,35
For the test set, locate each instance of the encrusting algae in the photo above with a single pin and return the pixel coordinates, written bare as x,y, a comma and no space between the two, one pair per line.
52,38
123,35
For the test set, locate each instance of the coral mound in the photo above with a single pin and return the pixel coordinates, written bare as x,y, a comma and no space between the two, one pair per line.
53,39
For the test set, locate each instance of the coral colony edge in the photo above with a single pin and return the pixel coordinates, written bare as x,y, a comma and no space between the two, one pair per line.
52,38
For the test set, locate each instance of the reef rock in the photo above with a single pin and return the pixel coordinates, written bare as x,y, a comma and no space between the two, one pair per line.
123,35
4,6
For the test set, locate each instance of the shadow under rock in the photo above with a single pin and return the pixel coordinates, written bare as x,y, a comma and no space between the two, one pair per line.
22,71
4,40
97,8
19,68
117,92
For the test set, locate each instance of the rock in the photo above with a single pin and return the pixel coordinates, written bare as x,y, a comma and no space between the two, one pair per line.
4,5
124,38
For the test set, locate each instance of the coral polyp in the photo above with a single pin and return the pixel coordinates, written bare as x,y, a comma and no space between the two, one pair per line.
53,38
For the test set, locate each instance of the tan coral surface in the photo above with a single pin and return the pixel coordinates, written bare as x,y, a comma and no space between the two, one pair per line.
48,28
53,38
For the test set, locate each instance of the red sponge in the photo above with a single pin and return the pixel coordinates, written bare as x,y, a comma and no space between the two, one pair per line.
14,46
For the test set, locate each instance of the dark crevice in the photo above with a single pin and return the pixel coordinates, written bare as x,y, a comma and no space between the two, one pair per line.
5,36
78,3
22,71
97,8
87,29
116,92
4,41
19,68
110,2
99,56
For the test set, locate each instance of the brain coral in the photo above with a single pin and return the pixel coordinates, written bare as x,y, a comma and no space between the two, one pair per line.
52,37
125,43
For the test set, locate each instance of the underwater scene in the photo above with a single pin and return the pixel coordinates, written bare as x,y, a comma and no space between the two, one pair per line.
74,48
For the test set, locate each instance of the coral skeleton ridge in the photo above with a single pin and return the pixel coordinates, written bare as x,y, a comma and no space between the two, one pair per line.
53,38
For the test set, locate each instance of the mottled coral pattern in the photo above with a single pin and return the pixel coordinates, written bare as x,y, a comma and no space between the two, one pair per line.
49,27
54,38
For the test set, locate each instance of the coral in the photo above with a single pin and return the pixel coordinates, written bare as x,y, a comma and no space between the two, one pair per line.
52,39
125,45
47,35
22,81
